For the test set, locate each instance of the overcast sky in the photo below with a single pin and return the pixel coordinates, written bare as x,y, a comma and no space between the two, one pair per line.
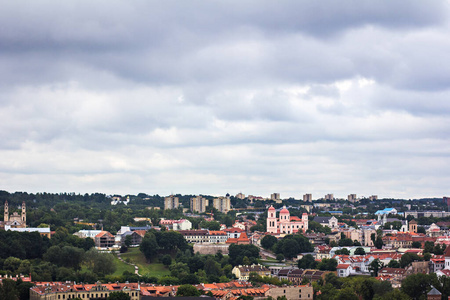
210,97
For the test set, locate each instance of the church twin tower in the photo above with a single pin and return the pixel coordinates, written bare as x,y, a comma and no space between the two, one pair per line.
22,219
285,224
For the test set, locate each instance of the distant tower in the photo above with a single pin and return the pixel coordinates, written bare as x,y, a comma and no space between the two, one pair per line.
272,220
6,214
305,221
24,213
413,226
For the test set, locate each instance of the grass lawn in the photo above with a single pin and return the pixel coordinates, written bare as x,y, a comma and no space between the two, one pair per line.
121,267
154,269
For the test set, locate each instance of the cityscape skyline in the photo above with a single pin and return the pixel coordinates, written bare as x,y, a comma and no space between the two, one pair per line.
213,98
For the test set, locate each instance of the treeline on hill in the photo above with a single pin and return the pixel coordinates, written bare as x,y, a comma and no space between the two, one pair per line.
171,249
61,210
58,259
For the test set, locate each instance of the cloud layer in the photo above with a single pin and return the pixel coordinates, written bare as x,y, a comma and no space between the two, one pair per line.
213,97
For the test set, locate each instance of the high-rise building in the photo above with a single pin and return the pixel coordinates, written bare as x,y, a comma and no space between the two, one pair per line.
199,204
329,197
307,197
222,204
275,196
352,198
171,202
240,196
373,198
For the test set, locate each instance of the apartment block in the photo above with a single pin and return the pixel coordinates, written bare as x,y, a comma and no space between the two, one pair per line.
171,202
199,204
307,197
222,204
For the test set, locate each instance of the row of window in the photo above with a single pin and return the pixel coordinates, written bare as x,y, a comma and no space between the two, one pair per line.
89,296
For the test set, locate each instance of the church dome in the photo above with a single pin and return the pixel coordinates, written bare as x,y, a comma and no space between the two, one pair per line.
284,210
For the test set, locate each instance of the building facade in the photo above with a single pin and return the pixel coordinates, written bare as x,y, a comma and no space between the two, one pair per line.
285,224
171,202
199,204
222,204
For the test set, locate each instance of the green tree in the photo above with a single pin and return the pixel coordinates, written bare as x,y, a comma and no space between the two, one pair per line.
346,294
166,260
395,295
393,264
360,251
187,290
345,242
280,257
375,266
149,246
416,286
8,290
307,262
268,241
118,296
343,251
99,263
416,244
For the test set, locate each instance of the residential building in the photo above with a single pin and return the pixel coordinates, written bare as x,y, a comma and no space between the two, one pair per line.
42,231
241,240
285,224
329,197
243,272
240,196
218,237
352,198
199,204
222,204
386,211
331,222
307,197
104,240
300,292
373,198
84,233
195,236
275,196
59,291
182,224
171,202
343,270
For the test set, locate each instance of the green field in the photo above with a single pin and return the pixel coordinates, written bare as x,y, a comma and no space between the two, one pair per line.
121,267
154,269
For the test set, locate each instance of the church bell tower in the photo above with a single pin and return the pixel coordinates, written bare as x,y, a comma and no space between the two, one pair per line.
6,213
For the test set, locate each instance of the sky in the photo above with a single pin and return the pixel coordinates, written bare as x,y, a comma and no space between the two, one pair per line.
216,97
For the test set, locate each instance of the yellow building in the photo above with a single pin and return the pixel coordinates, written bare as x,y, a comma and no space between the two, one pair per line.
63,291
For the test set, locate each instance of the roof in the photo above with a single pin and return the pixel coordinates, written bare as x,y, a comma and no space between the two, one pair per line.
434,291
343,266
322,219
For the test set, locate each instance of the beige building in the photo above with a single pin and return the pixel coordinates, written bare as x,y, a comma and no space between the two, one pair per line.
352,198
59,291
171,202
243,272
329,197
15,220
222,204
199,204
299,292
307,197
275,196
240,196
373,198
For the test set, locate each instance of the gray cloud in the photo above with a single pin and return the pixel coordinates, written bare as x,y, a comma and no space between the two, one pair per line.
216,97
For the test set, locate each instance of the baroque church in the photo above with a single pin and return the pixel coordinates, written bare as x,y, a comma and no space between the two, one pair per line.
15,220
285,224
